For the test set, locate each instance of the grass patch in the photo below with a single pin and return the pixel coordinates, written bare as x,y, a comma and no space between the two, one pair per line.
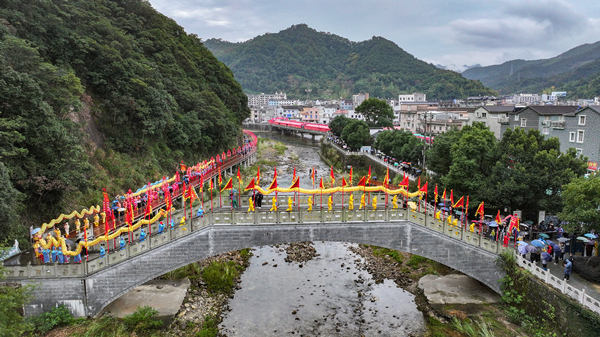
219,276
142,320
210,327
264,162
280,148
415,261
55,318
387,253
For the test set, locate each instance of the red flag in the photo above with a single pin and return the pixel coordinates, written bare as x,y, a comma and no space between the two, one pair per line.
344,184
405,181
350,177
480,210
210,186
459,203
444,196
498,221
275,175
387,178
250,186
514,222
451,197
295,183
220,179
424,188
312,175
362,182
419,183
332,176
239,176
369,175
273,184
294,174
228,186
258,176
321,184
436,193
467,204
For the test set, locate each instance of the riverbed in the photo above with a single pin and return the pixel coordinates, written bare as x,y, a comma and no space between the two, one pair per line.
330,295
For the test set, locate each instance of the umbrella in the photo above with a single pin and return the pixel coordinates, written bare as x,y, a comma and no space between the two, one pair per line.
529,222
523,233
532,249
584,239
493,224
562,239
522,249
590,243
546,256
122,209
590,235
445,209
525,225
35,230
441,204
538,243
544,235
549,242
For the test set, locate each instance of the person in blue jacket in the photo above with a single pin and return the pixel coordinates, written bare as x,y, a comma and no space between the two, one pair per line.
60,256
161,227
142,235
102,251
568,269
77,258
121,243
172,223
46,254
200,212
54,255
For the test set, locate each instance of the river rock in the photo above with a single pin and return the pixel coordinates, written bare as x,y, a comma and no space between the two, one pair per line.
455,289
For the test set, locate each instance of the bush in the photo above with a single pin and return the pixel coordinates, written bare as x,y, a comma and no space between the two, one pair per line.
56,317
142,320
219,276
107,326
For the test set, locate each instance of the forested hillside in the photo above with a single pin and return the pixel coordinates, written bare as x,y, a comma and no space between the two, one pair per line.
101,93
300,57
576,71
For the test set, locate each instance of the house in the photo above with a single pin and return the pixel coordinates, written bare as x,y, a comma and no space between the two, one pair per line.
291,111
359,98
493,116
580,130
310,114
538,117
346,104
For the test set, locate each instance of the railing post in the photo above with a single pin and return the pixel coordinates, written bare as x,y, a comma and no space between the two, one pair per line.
582,299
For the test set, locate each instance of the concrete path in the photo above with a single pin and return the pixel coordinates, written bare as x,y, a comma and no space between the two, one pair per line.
575,280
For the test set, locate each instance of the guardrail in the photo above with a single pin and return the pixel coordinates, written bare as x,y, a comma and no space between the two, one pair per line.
558,283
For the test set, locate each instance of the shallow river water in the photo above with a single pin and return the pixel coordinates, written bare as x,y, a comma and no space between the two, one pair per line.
328,295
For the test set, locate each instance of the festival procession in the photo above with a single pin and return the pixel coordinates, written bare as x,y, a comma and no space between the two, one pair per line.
128,218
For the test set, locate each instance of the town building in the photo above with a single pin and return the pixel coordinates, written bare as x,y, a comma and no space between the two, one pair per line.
414,97
346,104
359,98
263,99
493,116
310,114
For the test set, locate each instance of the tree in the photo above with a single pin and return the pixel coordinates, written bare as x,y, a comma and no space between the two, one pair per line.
582,203
401,145
530,172
356,133
439,156
376,112
12,300
338,124
472,157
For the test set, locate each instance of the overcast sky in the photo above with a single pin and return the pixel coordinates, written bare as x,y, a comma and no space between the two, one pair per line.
448,32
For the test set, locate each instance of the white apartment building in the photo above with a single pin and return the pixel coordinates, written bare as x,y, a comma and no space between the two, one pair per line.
525,98
263,99
414,97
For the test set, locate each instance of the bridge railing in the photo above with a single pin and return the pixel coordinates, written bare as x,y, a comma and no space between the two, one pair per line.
261,216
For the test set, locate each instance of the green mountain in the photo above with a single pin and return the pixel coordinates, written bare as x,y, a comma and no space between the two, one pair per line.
101,93
571,71
299,58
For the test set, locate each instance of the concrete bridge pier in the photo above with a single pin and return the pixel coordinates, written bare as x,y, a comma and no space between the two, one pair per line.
313,137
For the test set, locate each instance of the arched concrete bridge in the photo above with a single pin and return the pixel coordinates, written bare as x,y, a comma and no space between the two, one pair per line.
86,289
